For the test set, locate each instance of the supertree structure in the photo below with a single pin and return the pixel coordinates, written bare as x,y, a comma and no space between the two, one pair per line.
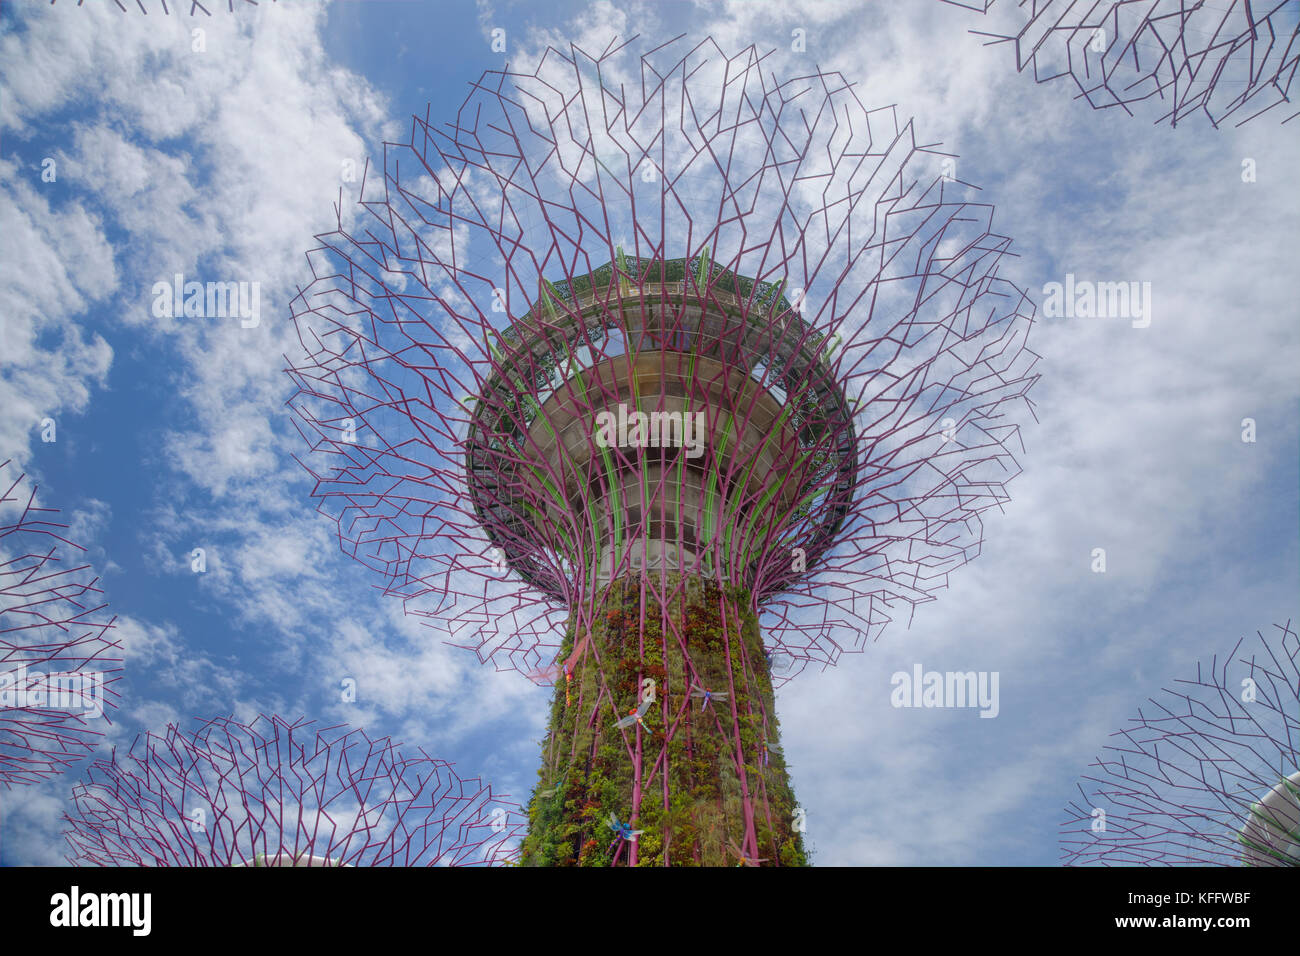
58,662
283,793
655,375
1228,59
1209,776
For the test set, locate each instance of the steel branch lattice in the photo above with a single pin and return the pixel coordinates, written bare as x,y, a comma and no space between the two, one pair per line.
562,178
192,7
275,792
1210,777
57,663
1226,59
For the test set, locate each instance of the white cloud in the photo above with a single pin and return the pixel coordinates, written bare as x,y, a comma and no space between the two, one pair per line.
56,264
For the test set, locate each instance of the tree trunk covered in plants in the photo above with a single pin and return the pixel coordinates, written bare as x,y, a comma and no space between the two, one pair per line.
701,777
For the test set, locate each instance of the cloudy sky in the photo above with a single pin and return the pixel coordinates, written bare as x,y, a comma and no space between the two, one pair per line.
221,154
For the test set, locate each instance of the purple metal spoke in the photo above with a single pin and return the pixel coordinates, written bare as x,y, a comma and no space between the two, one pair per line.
191,7
58,661
1179,784
275,793
1231,59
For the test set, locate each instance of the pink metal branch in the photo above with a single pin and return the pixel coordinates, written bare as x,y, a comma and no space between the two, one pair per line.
58,661
273,792
1183,782
1232,59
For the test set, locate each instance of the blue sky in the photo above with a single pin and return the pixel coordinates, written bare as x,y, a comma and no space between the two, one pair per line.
172,433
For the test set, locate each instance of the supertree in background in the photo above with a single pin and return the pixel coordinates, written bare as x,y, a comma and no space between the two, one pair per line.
1229,60
656,376
58,662
1210,776
280,793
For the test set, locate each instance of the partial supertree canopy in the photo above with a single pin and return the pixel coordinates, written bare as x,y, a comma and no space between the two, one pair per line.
281,793
58,661
1228,60
649,367
192,7
1209,775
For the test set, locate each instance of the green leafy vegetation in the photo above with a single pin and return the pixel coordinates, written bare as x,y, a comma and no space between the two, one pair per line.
685,794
